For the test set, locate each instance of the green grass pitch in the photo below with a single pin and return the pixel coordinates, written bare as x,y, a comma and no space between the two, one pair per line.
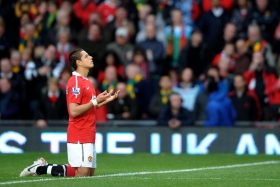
144,169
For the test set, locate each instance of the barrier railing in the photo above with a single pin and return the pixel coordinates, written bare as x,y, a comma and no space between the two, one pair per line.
146,123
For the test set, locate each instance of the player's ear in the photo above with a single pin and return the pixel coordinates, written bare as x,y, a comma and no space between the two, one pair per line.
78,62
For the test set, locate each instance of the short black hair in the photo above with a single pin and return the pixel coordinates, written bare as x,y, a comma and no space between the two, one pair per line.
74,56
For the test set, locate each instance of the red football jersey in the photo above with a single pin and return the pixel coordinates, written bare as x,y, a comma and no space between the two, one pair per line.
106,10
81,129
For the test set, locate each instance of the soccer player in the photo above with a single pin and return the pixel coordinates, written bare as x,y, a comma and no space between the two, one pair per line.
82,103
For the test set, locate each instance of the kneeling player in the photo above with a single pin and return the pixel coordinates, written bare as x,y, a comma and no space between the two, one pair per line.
82,103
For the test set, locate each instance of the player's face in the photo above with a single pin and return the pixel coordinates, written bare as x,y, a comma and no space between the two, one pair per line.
86,60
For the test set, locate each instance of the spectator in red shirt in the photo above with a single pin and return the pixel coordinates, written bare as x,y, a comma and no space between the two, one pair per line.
228,52
107,10
226,4
262,79
83,8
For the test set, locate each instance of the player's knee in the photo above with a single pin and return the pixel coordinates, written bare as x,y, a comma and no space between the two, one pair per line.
82,172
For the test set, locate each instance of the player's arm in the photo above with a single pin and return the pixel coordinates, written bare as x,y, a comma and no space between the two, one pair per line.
76,109
111,98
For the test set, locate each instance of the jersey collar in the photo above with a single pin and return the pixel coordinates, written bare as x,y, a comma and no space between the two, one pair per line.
77,74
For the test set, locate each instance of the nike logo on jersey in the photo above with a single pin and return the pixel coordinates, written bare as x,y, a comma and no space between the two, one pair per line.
87,88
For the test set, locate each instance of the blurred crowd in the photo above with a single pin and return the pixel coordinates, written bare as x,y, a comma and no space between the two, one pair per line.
175,61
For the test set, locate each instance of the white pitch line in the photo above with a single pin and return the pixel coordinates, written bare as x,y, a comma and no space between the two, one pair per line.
210,178
148,172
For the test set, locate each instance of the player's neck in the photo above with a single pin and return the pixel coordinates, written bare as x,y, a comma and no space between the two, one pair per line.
83,72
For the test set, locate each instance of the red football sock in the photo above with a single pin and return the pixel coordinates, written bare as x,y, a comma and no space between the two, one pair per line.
70,171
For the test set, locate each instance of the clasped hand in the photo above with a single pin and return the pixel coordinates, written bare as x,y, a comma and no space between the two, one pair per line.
107,96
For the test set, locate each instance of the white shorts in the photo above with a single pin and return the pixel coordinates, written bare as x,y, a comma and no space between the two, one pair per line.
81,155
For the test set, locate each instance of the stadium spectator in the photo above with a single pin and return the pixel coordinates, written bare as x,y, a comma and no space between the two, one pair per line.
147,66
156,19
17,67
243,57
187,89
220,111
161,97
153,46
265,17
150,21
262,79
9,101
174,114
37,73
177,35
244,102
212,24
110,58
124,107
30,38
121,20
238,16
95,17
121,46
255,43
192,55
82,9
190,11
52,104
63,45
110,79
139,89
224,72
107,10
